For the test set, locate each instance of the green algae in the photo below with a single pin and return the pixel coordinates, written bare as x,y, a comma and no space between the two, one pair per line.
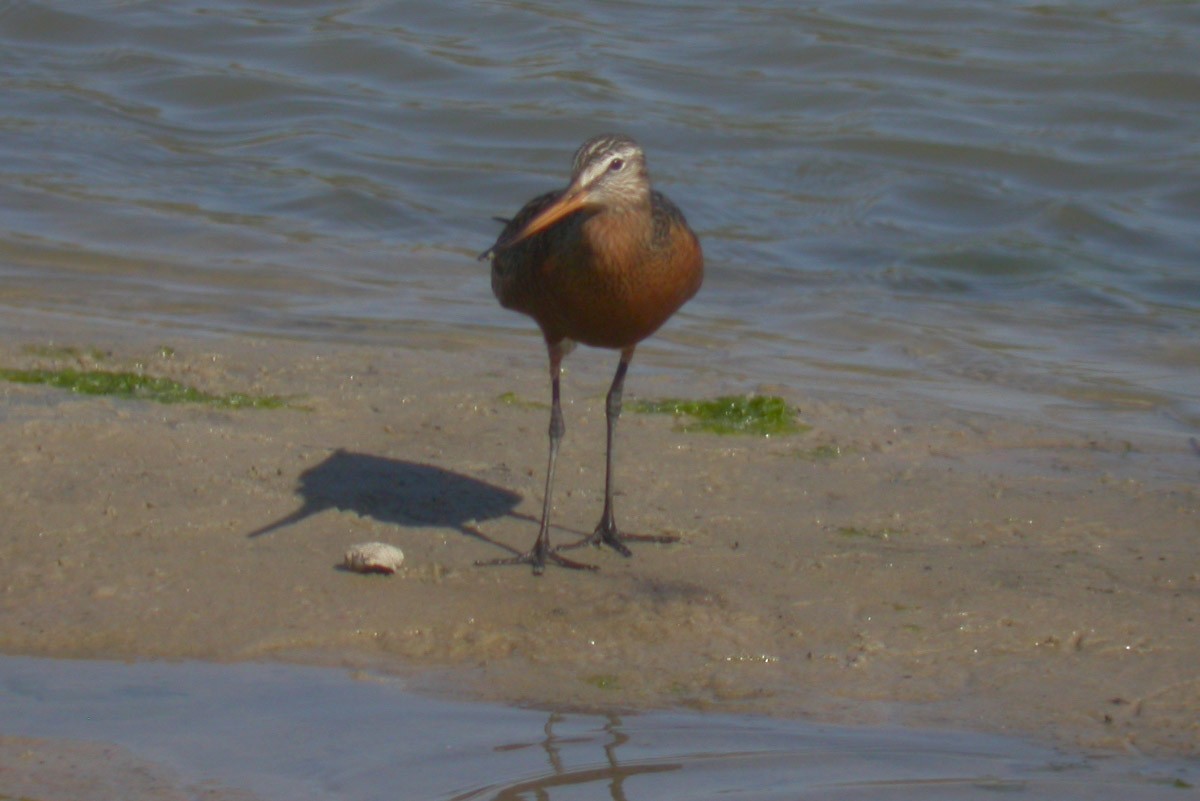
137,386
754,415
513,399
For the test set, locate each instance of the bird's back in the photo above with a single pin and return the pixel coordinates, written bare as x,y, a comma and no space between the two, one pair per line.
514,267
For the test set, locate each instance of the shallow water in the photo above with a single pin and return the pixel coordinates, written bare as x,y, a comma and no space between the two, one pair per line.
299,733
994,205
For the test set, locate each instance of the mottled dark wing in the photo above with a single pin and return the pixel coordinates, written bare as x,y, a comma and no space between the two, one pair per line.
666,215
513,227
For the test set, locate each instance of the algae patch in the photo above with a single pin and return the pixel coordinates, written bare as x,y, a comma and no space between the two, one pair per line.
757,415
513,399
137,386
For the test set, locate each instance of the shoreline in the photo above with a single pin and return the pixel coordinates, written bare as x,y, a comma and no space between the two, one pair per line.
895,564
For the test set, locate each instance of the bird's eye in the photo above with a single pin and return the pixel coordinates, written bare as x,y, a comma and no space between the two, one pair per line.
616,164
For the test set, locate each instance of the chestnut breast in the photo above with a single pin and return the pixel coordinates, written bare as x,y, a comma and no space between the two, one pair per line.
608,278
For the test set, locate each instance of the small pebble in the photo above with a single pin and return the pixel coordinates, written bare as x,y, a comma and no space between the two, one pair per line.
373,557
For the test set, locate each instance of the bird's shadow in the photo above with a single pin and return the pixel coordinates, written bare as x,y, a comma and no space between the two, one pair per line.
400,492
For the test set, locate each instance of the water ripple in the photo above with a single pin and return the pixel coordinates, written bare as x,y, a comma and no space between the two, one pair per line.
1035,165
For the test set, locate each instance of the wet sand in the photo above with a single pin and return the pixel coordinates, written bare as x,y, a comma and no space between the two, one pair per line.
907,565
38,768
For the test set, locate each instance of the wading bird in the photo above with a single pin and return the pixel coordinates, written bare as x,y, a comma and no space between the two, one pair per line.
604,262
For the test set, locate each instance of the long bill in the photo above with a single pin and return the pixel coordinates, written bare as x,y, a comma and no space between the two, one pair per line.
568,203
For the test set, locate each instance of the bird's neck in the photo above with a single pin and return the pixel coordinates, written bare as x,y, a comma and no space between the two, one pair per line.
634,218
624,231
630,206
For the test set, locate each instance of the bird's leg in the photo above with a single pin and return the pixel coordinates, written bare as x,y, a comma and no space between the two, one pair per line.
606,532
606,529
541,550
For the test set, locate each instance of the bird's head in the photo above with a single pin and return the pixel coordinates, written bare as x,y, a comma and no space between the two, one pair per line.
608,171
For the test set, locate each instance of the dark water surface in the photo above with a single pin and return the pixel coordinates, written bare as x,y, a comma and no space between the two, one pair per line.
991,204
294,734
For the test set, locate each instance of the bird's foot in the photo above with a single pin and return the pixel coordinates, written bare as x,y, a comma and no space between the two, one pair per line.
606,533
538,558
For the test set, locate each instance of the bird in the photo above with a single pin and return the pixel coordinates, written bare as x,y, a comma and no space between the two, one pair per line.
604,262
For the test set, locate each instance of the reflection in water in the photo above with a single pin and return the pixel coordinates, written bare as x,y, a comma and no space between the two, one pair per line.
279,732
714,757
610,773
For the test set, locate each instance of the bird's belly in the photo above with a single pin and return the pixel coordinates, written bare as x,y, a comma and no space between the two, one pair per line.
613,310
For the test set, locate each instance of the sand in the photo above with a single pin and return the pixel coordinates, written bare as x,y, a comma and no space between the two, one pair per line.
35,768
900,564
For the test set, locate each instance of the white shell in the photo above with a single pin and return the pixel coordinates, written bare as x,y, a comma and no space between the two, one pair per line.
373,557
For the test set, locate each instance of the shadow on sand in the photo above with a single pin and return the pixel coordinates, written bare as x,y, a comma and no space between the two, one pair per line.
396,491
